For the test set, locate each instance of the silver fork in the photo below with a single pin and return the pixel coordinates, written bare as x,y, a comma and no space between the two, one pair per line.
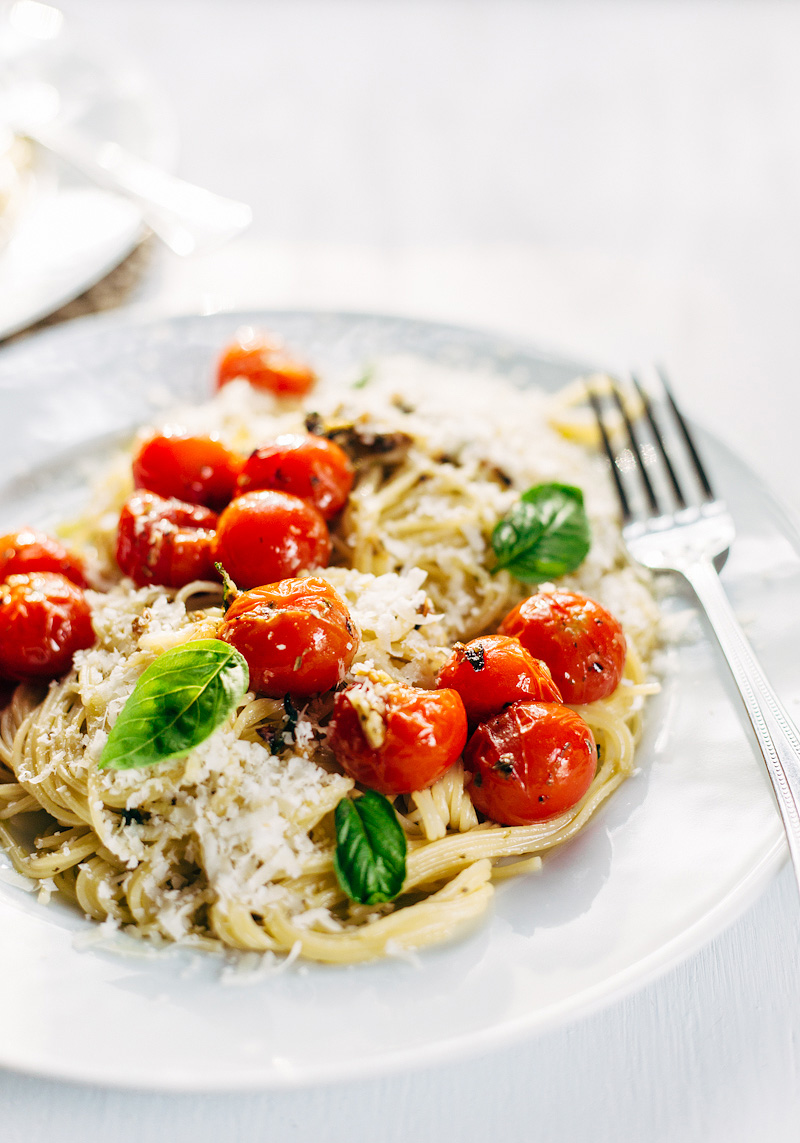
672,521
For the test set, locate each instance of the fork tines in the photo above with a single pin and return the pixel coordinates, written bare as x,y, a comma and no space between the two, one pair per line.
653,458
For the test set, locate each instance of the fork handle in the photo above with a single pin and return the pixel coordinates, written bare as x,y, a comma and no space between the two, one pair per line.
777,735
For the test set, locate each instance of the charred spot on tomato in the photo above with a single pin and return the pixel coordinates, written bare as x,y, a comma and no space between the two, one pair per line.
505,765
475,656
477,780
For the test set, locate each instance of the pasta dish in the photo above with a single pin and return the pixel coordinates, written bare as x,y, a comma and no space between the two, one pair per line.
322,662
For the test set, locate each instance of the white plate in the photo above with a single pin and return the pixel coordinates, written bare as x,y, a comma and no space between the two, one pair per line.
69,234
680,849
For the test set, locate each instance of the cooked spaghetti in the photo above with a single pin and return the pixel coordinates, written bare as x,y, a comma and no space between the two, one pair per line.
233,844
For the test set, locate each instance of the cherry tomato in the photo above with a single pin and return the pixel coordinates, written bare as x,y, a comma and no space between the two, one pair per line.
266,536
165,541
198,470
28,551
493,671
420,734
313,468
265,363
297,636
531,761
44,620
582,644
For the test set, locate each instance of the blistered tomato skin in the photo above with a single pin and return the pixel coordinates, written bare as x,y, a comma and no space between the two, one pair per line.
197,470
266,536
264,362
423,734
583,644
311,467
167,542
493,671
44,620
22,553
530,762
296,635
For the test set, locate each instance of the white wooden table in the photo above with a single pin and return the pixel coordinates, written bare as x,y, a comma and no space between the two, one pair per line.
614,180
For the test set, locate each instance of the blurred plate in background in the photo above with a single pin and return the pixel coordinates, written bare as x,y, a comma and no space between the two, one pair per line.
67,234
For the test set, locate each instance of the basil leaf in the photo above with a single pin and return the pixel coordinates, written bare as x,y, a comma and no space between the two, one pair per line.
370,858
177,703
544,535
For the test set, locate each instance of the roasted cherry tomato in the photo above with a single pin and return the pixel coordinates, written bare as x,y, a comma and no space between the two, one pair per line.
404,742
297,636
198,470
265,363
28,551
494,671
44,620
310,467
529,762
582,644
266,536
165,541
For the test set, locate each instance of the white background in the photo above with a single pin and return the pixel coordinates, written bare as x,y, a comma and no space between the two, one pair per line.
619,181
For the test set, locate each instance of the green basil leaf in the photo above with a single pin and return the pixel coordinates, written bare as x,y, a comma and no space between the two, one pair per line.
370,858
177,703
544,535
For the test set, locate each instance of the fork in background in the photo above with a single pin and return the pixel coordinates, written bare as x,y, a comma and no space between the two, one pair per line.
672,521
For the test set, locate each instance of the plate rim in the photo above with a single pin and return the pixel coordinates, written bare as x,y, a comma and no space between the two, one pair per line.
408,1061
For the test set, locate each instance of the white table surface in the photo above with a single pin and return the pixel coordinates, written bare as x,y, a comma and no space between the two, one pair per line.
618,181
